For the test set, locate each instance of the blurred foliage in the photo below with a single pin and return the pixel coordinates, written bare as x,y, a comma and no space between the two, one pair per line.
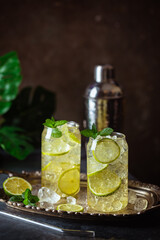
29,110
21,115
10,79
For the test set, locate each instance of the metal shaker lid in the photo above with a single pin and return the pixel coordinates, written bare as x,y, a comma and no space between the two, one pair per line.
103,72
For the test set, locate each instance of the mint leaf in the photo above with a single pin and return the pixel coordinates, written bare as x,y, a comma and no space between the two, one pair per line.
87,132
49,123
59,123
56,133
26,201
34,199
106,131
53,120
16,199
26,194
28,198
94,133
94,129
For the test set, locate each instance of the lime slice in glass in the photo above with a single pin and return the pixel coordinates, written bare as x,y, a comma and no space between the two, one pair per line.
70,207
104,182
55,148
74,138
106,151
69,181
15,186
94,166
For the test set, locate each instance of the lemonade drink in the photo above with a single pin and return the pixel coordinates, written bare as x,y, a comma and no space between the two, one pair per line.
61,158
107,170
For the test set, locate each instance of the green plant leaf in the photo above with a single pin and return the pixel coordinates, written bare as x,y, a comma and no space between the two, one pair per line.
14,141
10,79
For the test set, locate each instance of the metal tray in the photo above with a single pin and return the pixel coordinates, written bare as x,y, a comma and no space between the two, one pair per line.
148,192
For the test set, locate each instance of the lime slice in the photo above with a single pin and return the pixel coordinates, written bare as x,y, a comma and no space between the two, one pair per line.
93,166
15,186
74,138
106,151
69,181
55,148
70,207
103,183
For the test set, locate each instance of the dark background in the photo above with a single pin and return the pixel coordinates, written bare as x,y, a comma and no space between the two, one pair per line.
60,42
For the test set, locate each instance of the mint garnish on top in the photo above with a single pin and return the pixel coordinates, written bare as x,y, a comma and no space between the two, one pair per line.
94,133
56,133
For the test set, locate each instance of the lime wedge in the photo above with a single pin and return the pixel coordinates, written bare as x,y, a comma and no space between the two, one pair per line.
94,166
69,181
103,183
70,207
55,148
15,186
106,151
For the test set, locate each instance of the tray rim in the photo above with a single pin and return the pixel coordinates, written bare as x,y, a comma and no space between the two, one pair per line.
154,189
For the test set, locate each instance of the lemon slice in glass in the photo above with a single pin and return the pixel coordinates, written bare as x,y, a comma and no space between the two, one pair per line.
70,207
104,182
106,151
69,181
15,186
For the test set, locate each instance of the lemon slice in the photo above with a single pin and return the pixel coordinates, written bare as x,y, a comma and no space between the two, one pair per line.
104,183
69,181
70,207
106,151
93,166
55,148
15,186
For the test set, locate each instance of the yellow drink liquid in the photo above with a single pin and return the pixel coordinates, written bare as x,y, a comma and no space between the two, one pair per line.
107,173
60,160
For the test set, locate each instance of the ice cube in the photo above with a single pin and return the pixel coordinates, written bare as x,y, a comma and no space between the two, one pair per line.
140,204
132,197
46,205
71,200
47,195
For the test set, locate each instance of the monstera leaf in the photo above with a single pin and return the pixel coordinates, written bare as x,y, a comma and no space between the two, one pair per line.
30,109
15,142
10,79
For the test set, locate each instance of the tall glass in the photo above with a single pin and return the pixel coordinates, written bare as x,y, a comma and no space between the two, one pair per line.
60,164
107,173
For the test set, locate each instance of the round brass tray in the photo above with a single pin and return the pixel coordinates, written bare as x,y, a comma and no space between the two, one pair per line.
149,192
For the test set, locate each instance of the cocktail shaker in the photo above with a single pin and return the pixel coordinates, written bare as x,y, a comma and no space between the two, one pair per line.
103,100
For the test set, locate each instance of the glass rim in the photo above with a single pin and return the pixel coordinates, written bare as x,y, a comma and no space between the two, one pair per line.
69,123
118,134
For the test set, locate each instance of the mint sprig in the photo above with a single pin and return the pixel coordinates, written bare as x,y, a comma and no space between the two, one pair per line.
94,133
56,133
27,198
